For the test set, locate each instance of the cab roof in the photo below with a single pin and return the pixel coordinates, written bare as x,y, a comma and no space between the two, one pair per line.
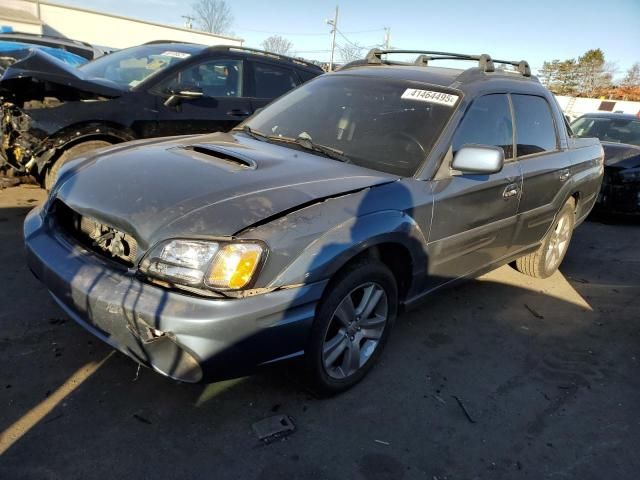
378,64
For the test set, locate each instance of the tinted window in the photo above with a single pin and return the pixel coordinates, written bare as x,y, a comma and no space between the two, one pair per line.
272,81
306,76
487,122
535,131
215,78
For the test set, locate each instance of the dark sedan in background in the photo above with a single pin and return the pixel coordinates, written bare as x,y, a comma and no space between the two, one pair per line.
620,137
52,112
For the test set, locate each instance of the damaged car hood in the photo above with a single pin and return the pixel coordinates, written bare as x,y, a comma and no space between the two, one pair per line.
621,155
203,186
41,66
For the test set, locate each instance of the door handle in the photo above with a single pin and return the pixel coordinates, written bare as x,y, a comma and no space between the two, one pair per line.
510,191
565,174
237,112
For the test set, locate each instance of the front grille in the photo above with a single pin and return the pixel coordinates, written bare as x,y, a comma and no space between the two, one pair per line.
103,239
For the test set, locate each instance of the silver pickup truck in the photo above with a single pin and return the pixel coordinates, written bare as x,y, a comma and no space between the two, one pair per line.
307,228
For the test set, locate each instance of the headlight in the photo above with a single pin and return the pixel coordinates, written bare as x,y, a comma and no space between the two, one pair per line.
204,264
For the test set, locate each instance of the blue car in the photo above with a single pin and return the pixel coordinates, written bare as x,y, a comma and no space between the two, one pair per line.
11,52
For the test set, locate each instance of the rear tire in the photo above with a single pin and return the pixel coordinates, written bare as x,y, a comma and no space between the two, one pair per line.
351,328
51,174
547,258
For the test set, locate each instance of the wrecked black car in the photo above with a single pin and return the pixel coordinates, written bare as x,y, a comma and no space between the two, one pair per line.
620,137
52,112
305,230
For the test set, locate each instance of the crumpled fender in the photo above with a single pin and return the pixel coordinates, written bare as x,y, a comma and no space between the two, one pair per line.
331,251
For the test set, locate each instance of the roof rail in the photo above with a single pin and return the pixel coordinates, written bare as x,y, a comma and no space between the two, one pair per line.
485,62
155,42
256,51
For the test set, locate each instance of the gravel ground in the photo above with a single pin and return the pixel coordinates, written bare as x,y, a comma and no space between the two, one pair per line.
504,377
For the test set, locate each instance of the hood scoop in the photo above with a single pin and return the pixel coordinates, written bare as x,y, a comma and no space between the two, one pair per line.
234,160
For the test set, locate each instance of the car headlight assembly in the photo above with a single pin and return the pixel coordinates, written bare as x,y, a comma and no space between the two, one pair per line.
204,264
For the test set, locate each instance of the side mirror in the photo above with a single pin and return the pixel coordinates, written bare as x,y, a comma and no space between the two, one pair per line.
186,93
478,159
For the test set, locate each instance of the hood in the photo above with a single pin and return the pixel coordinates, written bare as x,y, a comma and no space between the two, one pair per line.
39,65
621,155
208,186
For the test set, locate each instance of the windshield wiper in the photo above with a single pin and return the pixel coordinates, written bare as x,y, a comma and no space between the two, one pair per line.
303,140
306,143
252,133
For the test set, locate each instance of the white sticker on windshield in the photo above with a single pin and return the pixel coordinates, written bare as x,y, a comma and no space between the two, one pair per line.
429,96
170,53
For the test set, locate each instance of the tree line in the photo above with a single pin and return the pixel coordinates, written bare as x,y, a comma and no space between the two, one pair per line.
590,75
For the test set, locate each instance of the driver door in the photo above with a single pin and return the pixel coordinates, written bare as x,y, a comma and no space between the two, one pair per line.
220,107
475,216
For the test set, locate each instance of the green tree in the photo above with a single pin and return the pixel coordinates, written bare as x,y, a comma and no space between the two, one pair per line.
593,72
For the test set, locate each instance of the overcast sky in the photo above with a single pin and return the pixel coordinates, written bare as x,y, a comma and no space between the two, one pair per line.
508,29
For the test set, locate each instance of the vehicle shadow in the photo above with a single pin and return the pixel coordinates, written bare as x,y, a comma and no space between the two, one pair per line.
503,358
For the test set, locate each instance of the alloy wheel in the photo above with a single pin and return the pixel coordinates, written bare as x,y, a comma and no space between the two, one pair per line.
355,330
558,243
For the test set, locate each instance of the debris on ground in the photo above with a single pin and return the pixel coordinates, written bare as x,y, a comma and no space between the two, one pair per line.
464,409
6,182
274,428
382,442
141,419
533,312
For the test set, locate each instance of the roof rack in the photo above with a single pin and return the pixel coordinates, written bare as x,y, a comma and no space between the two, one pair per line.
263,53
485,62
157,42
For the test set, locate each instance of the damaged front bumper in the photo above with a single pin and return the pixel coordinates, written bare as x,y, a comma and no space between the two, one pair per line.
19,146
184,337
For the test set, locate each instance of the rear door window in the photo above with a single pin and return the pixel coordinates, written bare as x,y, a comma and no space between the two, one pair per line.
535,129
272,81
487,122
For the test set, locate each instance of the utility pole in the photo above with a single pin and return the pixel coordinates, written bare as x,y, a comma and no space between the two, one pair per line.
334,24
387,37
188,21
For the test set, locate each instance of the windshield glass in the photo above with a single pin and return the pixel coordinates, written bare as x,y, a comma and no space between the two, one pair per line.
131,66
618,130
378,123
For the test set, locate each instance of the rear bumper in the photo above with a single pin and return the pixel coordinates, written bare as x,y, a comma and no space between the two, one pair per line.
185,337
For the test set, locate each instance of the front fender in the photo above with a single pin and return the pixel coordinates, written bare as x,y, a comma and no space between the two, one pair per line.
323,257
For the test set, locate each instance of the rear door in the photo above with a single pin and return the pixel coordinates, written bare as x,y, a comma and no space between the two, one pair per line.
223,103
474,216
268,81
545,168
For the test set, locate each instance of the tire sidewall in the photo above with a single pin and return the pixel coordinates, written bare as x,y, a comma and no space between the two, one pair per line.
361,273
568,211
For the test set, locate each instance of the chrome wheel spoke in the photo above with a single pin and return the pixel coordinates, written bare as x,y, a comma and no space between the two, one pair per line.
345,312
372,302
372,333
351,359
334,348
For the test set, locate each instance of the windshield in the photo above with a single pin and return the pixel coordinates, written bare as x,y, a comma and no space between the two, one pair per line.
131,66
618,130
378,123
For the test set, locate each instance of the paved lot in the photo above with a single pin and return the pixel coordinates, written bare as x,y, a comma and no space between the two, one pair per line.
547,370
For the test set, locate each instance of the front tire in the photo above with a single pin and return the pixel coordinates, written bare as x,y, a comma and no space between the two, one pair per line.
545,261
351,327
51,174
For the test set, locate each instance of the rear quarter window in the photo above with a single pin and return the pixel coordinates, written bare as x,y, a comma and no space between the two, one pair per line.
535,129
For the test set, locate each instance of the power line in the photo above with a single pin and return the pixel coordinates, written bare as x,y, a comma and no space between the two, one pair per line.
308,33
